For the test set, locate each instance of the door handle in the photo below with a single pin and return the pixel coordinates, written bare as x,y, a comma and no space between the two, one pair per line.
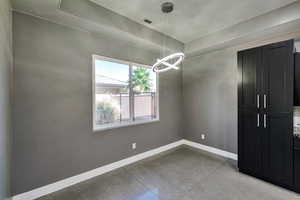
265,101
257,119
265,121
257,101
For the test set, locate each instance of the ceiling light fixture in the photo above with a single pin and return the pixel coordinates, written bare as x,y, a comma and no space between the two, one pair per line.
162,65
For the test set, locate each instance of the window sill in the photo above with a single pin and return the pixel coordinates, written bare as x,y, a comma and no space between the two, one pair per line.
125,124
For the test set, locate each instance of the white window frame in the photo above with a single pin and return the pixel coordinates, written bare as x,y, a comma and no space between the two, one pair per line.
96,127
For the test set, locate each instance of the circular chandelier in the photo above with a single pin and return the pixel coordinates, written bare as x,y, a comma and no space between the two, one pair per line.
163,65
167,66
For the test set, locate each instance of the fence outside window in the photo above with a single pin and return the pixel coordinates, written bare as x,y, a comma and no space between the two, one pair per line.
144,108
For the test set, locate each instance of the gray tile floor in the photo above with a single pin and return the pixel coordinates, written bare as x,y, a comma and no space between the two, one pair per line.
183,174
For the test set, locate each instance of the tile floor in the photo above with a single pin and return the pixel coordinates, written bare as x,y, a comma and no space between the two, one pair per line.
183,174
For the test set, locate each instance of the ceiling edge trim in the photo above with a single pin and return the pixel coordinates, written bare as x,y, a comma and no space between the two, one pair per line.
240,32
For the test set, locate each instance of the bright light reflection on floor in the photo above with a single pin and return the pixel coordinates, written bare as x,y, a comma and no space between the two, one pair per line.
149,195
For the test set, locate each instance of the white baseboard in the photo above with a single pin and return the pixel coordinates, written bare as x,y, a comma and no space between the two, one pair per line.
213,150
42,191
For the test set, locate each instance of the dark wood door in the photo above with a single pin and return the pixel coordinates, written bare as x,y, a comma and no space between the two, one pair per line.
249,101
278,86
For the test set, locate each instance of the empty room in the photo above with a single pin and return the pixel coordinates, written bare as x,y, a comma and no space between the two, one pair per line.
149,100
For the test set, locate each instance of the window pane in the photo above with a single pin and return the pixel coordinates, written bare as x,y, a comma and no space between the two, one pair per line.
144,89
111,92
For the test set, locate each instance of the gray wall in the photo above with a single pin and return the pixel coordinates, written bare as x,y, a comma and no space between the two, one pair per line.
53,137
5,79
210,99
210,95
297,45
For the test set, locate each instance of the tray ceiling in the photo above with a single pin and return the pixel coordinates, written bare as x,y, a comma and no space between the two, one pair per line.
192,19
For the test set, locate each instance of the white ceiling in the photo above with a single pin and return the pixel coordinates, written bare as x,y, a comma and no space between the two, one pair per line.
192,19
200,25
89,17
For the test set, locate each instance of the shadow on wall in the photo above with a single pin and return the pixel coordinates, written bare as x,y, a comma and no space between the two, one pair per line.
210,99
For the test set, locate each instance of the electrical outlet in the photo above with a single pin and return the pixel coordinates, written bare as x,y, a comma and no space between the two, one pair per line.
133,145
203,136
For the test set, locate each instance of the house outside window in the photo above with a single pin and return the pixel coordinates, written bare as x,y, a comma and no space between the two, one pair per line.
124,93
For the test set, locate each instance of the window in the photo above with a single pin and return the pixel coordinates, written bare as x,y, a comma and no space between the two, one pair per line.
124,93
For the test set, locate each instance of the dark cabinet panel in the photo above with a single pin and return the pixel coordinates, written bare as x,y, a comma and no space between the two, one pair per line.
297,80
251,78
265,98
278,152
297,164
251,148
297,169
278,112
249,103
279,77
